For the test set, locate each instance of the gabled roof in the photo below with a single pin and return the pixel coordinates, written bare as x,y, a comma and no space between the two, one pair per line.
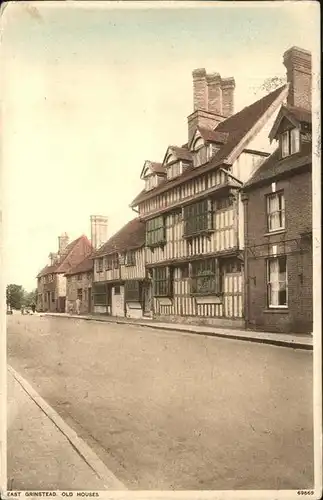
209,135
153,168
130,236
73,253
85,266
181,153
237,127
275,166
296,116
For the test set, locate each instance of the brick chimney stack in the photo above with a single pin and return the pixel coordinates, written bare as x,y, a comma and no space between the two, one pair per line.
199,89
212,98
298,63
214,93
63,241
227,87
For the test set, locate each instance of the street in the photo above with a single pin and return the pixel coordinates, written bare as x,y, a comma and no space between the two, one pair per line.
167,410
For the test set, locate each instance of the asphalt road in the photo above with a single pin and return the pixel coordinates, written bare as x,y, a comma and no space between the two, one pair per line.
167,410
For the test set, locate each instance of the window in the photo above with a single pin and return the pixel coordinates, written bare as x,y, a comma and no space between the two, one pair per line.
132,291
151,182
79,277
163,282
290,142
155,231
232,265
224,203
100,295
53,296
213,149
200,156
205,277
117,290
99,265
111,262
174,170
275,211
131,258
79,293
277,281
198,218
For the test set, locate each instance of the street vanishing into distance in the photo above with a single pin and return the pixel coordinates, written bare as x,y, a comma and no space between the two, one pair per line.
172,411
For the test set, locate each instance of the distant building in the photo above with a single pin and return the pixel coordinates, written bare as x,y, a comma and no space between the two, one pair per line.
79,286
278,215
51,281
120,287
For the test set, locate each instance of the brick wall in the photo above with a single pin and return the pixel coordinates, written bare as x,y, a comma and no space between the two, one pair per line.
298,216
73,284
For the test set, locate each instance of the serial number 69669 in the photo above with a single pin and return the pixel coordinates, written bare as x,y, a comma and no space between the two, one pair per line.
305,492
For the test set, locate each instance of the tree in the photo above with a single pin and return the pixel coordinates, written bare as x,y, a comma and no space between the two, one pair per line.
30,298
15,296
270,84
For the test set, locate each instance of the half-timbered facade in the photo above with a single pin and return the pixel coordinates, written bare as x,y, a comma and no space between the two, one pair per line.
120,287
194,212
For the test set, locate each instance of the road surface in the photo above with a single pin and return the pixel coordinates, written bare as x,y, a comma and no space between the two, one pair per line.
167,410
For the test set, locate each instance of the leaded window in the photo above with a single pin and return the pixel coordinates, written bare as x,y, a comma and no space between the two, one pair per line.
198,217
132,291
155,231
205,277
163,282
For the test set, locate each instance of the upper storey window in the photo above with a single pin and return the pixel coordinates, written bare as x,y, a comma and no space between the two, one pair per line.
290,142
202,152
151,182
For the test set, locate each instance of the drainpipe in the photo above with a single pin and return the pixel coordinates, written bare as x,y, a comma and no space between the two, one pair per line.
244,199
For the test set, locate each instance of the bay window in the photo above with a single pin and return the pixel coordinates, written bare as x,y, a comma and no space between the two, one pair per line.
198,217
155,231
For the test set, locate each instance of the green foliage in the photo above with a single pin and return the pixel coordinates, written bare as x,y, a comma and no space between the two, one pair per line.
30,298
15,296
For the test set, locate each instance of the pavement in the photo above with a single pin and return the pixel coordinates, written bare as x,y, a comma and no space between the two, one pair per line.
167,410
39,442
296,341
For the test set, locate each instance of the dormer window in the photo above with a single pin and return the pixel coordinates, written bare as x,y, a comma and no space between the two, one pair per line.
174,170
290,142
151,182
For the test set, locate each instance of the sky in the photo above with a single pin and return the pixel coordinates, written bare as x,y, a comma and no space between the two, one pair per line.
92,90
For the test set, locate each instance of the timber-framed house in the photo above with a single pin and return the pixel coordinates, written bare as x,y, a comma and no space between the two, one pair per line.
191,205
119,285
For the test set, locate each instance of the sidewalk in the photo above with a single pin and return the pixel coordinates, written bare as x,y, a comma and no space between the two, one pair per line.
296,341
43,453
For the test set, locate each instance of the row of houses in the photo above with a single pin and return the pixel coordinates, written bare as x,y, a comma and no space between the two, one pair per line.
223,227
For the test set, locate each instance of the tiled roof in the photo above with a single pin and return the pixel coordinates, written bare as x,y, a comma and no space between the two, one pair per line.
157,168
130,236
72,255
275,166
213,135
182,153
85,266
236,126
